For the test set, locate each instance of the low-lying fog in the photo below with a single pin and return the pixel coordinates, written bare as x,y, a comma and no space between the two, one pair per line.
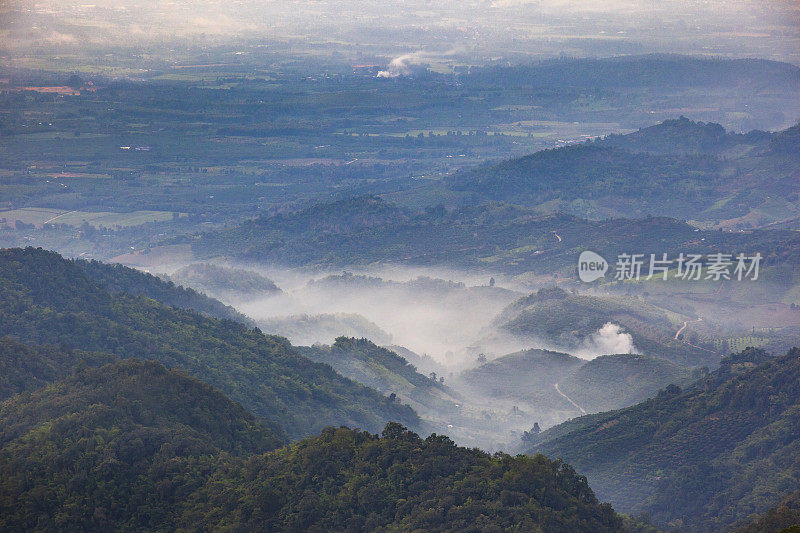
448,315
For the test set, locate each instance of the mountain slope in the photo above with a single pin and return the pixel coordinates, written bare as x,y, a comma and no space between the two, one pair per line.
679,168
224,282
46,299
683,457
488,238
119,279
134,446
350,480
323,328
115,447
684,136
379,368
590,172
619,380
574,321
780,518
521,374
25,368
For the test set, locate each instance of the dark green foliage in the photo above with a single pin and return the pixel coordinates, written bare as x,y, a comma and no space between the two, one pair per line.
119,279
25,368
354,481
135,446
116,447
46,299
783,518
382,369
704,458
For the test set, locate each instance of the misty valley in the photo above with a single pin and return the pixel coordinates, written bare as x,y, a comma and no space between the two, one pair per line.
475,267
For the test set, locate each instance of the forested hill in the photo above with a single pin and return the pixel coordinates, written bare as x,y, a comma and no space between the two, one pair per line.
117,447
679,168
683,456
119,279
47,299
354,481
684,136
491,236
783,518
24,368
134,446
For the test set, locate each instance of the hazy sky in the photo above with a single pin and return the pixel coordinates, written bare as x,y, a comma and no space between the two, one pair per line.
765,28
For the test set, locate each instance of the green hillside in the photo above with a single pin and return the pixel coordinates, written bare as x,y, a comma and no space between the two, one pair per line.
684,456
224,282
783,518
46,299
24,368
679,168
619,380
570,319
119,279
117,447
347,480
134,446
382,369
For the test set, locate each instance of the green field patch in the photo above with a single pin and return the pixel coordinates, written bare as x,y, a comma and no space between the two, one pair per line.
41,216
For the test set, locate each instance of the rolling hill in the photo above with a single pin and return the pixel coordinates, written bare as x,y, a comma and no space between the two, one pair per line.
488,237
116,447
684,456
383,370
619,380
135,446
679,168
574,320
224,282
556,385
47,299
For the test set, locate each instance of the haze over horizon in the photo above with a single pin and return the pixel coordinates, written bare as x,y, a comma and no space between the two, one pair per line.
473,32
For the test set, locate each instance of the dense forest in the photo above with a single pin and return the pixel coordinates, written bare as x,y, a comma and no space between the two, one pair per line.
117,279
683,456
678,168
497,237
47,299
783,518
117,447
159,450
384,370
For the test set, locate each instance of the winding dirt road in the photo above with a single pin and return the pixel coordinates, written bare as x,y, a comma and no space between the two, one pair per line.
683,327
578,407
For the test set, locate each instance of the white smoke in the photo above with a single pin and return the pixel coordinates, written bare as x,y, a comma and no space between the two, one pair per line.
607,340
401,65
